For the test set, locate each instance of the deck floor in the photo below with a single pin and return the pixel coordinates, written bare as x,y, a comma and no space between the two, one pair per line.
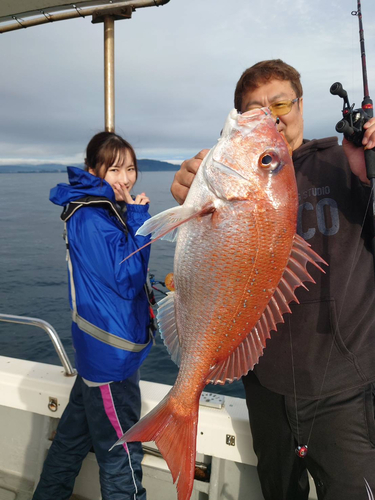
15,488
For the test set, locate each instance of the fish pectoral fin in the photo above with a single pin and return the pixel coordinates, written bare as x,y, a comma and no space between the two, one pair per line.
247,354
167,326
165,225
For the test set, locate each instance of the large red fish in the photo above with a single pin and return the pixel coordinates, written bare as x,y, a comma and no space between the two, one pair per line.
238,261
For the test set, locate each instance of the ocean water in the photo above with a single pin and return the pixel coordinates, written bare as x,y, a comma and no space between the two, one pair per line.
33,276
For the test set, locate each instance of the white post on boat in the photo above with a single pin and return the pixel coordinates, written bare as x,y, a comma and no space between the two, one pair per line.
108,19
109,73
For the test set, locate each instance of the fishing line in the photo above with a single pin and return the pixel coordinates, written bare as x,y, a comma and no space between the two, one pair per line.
78,10
47,16
354,73
294,378
301,447
18,21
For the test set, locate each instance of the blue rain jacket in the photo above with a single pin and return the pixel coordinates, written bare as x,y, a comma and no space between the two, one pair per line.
109,295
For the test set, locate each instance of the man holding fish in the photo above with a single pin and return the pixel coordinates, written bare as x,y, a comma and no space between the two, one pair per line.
311,397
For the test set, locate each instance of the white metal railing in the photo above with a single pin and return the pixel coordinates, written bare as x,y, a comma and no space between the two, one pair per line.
59,348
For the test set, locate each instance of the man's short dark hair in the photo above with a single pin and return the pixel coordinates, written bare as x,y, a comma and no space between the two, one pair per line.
263,72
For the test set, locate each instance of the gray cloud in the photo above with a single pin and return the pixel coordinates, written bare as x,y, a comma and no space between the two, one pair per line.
176,69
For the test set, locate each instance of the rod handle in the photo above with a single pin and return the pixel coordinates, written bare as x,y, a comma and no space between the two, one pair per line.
370,163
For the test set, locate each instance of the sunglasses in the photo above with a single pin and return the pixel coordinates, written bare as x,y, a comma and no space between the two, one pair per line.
282,108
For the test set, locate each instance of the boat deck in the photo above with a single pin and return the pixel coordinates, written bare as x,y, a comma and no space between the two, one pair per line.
29,391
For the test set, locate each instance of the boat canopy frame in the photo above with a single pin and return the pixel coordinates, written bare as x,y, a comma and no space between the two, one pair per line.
13,12
107,12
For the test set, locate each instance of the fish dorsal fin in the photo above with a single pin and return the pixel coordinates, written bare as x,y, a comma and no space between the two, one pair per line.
167,326
251,348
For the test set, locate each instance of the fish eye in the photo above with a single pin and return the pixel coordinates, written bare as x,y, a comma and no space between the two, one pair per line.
269,161
266,160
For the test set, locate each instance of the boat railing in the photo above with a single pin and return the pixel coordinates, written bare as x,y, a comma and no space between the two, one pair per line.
40,323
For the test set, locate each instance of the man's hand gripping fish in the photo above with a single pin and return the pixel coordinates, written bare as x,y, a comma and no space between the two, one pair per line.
238,261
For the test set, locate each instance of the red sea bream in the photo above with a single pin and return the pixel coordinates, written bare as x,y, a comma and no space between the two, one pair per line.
238,261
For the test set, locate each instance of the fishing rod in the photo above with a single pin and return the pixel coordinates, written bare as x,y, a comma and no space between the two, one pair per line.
154,282
351,125
353,120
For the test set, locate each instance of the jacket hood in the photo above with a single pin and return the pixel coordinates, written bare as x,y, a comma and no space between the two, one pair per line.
308,147
81,184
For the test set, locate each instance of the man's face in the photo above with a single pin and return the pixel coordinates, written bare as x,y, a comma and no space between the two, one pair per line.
271,92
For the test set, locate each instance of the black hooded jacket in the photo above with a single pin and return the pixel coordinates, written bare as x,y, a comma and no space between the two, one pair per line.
329,339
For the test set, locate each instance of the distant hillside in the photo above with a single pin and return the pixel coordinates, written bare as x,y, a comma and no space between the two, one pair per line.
144,166
32,169
155,166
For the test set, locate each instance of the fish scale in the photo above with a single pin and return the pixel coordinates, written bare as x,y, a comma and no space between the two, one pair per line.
240,295
237,263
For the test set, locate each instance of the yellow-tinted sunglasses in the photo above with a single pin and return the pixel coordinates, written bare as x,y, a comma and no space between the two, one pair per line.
282,108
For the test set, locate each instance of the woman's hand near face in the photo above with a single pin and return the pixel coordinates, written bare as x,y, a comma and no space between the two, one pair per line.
122,194
140,199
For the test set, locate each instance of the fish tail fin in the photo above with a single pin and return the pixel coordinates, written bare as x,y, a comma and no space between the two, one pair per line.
175,436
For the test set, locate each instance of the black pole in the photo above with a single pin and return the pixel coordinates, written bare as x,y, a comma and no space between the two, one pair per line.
363,52
367,106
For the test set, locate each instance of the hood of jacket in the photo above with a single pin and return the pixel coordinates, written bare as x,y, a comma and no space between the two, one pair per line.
81,184
308,147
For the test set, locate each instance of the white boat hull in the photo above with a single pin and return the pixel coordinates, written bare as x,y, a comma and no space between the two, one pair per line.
28,388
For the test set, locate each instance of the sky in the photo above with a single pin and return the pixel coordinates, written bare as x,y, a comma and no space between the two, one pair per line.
176,70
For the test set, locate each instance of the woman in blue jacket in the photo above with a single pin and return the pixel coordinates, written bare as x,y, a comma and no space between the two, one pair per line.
111,320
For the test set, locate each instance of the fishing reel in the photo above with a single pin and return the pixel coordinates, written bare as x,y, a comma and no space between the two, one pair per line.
353,120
